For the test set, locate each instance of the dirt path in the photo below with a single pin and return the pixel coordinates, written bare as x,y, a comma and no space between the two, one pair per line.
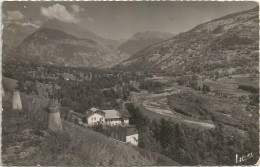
208,125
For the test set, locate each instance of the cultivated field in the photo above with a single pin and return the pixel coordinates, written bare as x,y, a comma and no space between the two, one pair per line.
228,86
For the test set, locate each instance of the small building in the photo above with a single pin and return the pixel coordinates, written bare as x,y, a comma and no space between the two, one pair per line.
125,134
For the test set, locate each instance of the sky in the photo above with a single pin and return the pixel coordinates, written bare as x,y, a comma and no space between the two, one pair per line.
120,20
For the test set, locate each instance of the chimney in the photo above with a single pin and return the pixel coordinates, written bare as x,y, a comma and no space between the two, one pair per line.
54,120
17,103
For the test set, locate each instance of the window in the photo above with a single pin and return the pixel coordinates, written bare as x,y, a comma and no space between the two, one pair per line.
94,118
91,118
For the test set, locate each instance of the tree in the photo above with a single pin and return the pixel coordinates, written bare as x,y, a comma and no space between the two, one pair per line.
205,88
254,98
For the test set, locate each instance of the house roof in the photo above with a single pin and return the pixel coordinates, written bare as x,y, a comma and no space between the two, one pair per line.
93,109
90,113
110,114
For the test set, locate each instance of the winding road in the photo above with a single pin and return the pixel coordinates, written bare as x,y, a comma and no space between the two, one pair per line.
157,103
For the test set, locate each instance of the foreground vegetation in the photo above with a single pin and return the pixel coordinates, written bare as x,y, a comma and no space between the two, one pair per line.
160,138
26,140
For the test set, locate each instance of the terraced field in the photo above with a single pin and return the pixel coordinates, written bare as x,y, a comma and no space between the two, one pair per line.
228,86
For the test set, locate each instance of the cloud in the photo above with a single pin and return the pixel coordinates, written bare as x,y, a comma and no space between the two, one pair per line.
59,12
30,24
37,22
90,19
14,15
76,8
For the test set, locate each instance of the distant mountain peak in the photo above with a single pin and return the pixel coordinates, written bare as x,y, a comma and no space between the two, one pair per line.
77,31
152,34
141,40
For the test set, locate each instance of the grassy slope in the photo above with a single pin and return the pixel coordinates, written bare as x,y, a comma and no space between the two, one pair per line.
27,142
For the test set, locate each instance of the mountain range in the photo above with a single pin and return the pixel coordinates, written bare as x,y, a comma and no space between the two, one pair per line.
69,44
60,43
141,40
59,48
227,42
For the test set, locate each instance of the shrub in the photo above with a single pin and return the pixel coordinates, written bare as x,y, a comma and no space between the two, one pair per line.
254,98
205,88
248,88
235,40
56,144
98,128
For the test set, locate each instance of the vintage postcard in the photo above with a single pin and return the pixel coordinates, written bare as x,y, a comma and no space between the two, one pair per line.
155,83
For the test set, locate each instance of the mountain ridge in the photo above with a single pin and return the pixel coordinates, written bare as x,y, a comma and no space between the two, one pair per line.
203,45
60,48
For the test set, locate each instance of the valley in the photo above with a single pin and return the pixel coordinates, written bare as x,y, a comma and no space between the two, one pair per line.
74,97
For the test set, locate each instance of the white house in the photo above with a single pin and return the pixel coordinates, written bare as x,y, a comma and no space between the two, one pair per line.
95,118
108,117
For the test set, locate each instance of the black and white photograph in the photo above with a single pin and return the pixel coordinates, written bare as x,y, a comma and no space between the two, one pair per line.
130,83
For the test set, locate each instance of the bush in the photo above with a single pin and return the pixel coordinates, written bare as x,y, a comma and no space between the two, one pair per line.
137,118
235,40
98,128
248,88
151,86
205,88
254,98
56,144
